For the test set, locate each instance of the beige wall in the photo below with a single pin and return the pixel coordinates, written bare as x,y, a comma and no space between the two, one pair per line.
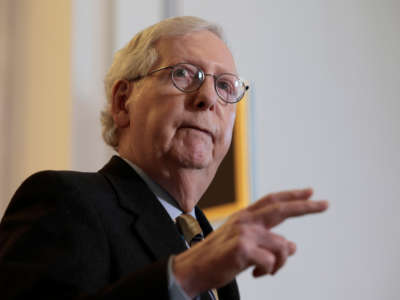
4,30
36,101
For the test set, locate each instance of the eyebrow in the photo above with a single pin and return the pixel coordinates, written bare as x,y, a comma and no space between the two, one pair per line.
201,64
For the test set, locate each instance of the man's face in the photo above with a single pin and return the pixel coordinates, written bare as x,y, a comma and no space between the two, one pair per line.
170,128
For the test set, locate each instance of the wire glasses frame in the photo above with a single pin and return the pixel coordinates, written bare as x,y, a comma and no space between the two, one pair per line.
188,78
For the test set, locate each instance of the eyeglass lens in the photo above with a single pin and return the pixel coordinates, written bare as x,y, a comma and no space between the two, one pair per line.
189,78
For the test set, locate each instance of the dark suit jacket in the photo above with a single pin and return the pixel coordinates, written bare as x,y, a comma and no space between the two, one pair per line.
104,235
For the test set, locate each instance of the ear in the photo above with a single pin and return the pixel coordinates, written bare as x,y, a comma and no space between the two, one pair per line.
120,94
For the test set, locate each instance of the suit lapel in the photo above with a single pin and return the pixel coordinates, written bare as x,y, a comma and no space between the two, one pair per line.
152,223
150,220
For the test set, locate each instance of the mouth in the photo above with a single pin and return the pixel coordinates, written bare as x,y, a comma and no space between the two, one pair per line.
198,128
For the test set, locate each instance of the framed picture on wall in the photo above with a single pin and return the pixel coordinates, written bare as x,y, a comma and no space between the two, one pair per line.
230,190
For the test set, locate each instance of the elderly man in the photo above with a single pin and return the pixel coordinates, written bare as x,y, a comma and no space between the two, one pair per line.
125,231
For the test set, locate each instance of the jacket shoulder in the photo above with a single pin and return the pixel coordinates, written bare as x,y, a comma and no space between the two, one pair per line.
53,186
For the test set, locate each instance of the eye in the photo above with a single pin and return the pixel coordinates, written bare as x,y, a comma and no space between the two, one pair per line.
181,72
187,77
224,85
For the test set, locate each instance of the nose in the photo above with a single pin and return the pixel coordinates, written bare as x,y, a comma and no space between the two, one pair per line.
206,96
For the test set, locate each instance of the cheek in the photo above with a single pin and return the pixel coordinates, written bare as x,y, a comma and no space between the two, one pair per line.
227,131
162,124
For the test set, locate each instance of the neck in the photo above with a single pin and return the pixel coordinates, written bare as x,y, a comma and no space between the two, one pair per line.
185,185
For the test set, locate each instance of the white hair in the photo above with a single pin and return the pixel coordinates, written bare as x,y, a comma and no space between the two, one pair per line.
137,58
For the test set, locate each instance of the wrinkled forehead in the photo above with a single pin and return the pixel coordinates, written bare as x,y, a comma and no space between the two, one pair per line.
203,48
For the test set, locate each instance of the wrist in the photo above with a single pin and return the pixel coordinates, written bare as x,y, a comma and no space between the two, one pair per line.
186,274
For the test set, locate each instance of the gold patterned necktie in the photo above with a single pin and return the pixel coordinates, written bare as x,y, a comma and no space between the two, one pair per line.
191,231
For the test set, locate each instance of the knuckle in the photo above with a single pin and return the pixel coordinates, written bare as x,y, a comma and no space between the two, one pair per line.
270,259
238,229
273,197
242,246
283,253
277,209
240,217
240,226
242,232
280,240
241,252
282,244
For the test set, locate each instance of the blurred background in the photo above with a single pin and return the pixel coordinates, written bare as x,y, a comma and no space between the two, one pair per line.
323,112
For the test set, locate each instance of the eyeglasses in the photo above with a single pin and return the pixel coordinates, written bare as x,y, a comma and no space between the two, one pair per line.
188,78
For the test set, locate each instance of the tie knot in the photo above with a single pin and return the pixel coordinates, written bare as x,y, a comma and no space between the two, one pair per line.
190,228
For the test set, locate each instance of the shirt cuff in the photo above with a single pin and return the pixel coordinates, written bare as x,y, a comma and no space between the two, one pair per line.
174,289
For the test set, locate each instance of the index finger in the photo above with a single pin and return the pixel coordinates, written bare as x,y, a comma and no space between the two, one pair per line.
283,196
276,214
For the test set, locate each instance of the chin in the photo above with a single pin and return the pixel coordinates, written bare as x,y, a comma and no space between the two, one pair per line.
192,160
194,163
198,156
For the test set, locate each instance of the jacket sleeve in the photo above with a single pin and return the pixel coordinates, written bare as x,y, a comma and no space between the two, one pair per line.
52,246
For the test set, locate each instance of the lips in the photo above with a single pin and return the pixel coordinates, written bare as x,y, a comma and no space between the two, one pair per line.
199,128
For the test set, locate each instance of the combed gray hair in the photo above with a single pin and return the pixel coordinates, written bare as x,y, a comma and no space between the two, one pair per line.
137,58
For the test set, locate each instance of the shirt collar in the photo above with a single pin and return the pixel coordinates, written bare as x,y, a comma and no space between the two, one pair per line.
166,200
